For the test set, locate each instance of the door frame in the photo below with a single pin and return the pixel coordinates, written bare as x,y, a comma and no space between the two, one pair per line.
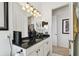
70,25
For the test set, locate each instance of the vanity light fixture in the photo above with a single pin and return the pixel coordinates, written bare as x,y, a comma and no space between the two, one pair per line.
38,13
32,12
27,5
29,8
35,11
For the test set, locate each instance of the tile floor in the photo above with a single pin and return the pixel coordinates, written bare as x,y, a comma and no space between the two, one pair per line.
60,51
55,54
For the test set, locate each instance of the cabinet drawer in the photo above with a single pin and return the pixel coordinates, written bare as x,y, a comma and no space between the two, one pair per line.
17,49
38,48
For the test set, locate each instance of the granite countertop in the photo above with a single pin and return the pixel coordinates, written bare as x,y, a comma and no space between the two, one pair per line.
26,45
25,41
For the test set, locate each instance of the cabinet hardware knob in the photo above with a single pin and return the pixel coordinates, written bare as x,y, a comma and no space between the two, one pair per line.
47,42
36,51
20,51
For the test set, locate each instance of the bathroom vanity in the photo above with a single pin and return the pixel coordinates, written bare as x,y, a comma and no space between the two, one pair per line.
33,45
40,48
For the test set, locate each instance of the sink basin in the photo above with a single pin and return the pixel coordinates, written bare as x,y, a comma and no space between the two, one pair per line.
37,40
25,40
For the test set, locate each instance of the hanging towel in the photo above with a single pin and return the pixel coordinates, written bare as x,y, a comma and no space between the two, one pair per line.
75,23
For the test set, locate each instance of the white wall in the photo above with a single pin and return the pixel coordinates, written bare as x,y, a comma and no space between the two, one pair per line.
1,15
4,41
20,19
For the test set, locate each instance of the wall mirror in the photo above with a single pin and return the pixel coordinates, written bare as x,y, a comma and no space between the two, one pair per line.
36,22
3,15
40,26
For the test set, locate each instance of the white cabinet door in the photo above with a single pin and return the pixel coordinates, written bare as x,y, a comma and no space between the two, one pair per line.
46,48
40,51
34,53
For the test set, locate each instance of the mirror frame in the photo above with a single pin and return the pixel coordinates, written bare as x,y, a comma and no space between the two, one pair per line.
5,27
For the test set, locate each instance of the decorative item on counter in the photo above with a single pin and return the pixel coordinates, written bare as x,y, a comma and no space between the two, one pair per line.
45,27
17,38
32,34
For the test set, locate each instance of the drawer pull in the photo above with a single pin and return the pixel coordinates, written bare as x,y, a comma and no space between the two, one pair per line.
47,43
20,51
36,51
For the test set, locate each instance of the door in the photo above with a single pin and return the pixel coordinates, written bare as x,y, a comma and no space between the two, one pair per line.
54,31
40,51
63,39
60,39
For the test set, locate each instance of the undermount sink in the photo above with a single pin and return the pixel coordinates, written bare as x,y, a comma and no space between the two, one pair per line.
37,40
25,41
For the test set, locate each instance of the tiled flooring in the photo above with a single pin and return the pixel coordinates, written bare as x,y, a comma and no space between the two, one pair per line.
55,54
60,51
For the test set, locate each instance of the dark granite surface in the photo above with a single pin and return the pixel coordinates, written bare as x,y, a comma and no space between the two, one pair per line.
25,42
26,45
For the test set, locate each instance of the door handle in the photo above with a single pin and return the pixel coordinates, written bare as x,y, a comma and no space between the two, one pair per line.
36,51
46,42
70,41
55,34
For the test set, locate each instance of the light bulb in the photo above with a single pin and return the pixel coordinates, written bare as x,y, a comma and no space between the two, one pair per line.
34,14
27,5
28,10
23,8
31,8
35,11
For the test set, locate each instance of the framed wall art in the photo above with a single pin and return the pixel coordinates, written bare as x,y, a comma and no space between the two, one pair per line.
65,26
3,15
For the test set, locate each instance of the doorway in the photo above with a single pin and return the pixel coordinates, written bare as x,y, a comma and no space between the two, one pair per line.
60,40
